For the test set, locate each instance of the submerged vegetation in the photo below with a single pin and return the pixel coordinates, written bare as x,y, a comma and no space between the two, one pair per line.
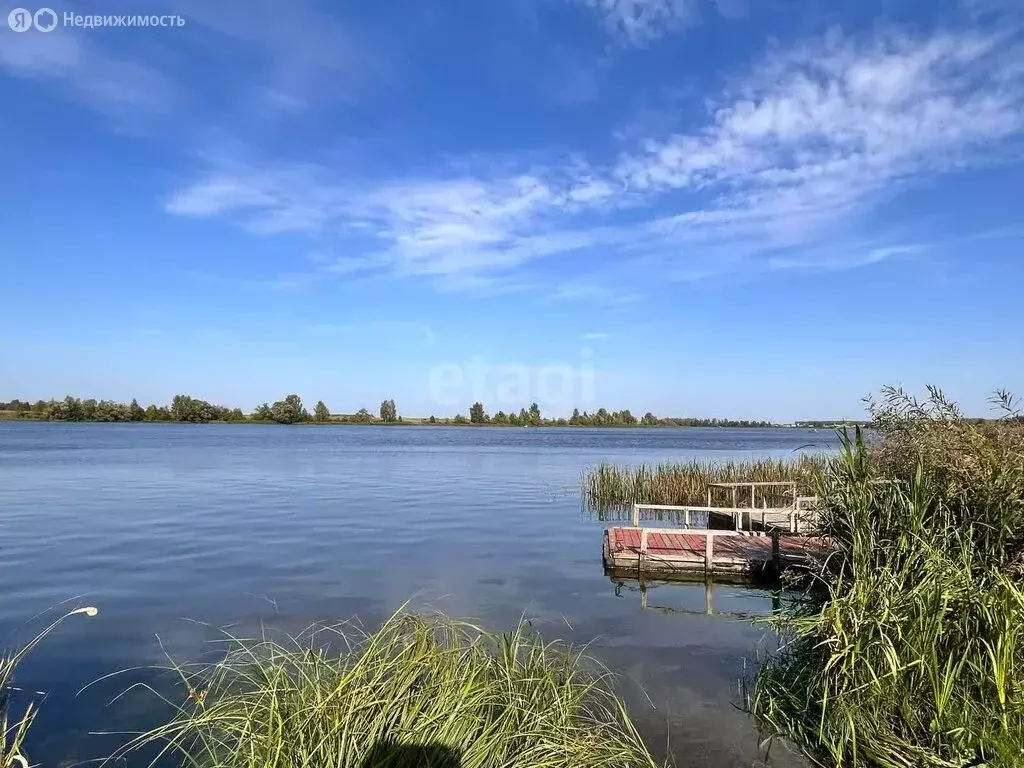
907,648
609,487
417,692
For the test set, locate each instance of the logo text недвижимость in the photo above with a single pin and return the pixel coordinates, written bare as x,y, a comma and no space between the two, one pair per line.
47,20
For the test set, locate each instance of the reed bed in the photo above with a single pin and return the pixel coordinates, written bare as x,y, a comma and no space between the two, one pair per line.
423,692
907,649
609,488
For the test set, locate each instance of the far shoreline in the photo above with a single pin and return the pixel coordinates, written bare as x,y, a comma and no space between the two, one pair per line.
425,423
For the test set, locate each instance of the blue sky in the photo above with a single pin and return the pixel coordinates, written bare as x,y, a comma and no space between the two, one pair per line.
749,208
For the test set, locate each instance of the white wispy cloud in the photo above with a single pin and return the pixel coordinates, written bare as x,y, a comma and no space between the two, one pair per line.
782,165
638,22
123,89
269,64
819,128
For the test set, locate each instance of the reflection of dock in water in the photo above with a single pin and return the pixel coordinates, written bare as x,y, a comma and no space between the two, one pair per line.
645,588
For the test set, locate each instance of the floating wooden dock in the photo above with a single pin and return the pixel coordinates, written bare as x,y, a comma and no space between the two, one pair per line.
681,553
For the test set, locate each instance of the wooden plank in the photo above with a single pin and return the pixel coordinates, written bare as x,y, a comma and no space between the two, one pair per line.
669,550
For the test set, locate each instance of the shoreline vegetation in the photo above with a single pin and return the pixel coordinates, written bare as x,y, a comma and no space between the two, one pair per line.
905,646
291,410
420,691
608,488
902,646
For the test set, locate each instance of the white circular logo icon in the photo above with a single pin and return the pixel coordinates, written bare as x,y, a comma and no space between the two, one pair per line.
20,20
45,19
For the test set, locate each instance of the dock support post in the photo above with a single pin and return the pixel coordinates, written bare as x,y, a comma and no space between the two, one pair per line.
709,495
636,515
709,600
686,517
643,553
734,489
709,552
776,555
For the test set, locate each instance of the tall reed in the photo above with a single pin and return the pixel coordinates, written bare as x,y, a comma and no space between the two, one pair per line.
14,728
609,487
908,647
417,692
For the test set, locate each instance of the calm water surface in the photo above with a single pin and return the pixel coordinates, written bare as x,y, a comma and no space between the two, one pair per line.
165,527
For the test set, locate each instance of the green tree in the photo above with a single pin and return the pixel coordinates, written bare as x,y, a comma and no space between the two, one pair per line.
459,419
649,419
108,410
153,413
289,411
135,411
500,418
476,413
263,413
73,410
388,412
182,408
321,412
534,414
185,408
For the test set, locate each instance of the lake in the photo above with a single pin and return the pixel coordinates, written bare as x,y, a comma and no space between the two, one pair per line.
172,530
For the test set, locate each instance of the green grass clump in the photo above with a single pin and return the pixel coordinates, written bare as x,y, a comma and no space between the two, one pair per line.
608,487
417,692
908,647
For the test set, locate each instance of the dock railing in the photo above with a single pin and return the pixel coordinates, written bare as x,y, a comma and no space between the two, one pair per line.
801,512
789,486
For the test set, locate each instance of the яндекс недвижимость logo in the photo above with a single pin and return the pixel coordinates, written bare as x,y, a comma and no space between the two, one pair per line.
22,20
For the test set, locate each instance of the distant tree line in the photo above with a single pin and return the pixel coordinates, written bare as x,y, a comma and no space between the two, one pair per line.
290,410
182,408
600,418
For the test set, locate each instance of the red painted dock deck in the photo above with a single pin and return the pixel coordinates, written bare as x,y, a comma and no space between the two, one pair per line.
670,550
